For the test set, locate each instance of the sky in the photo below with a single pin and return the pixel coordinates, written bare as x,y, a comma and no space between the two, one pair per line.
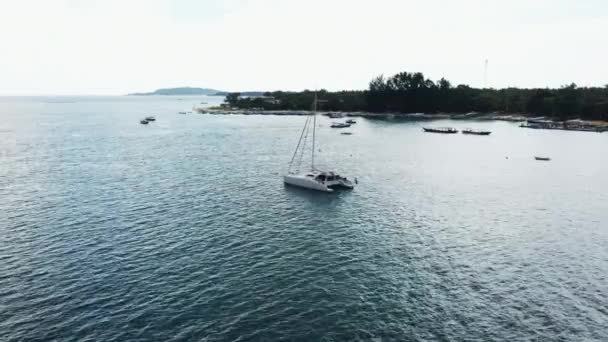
107,47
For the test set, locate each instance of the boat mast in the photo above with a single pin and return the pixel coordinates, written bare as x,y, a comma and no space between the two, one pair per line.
314,128
302,136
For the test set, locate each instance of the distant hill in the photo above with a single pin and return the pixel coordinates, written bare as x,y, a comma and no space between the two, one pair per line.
181,91
243,93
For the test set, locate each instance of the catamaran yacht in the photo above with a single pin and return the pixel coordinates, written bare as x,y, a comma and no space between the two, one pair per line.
319,180
313,178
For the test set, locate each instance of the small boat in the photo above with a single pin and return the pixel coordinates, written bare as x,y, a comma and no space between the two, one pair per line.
336,115
143,122
347,133
465,116
340,125
150,118
183,113
351,121
444,130
542,158
475,132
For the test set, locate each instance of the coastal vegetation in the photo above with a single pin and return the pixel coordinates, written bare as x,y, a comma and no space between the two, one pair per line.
413,93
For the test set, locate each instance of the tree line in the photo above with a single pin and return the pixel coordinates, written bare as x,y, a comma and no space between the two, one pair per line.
413,93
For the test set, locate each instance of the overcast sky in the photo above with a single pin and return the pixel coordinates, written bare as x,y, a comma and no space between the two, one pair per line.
122,46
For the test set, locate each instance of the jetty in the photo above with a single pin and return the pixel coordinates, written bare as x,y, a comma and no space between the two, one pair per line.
568,125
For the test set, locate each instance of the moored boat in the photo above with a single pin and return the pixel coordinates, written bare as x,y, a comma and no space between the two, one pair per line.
340,125
475,132
465,116
444,130
347,133
351,121
319,180
542,158
143,121
150,118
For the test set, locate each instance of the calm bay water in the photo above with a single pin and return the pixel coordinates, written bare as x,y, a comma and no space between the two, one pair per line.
183,230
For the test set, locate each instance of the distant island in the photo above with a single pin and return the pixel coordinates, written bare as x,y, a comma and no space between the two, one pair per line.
243,93
182,91
197,91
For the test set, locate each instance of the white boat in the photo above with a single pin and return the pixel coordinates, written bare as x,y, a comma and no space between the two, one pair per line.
319,180
312,178
340,125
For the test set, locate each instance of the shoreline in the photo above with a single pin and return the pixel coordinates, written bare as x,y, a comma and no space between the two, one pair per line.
579,124
337,115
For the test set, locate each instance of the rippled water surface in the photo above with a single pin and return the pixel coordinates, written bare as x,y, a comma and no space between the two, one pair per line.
183,229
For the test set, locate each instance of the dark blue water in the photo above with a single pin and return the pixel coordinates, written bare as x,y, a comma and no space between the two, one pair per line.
183,231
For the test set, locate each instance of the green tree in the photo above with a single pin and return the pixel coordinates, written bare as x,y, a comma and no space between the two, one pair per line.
233,99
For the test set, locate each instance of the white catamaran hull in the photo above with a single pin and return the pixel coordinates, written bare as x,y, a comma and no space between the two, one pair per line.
316,180
305,182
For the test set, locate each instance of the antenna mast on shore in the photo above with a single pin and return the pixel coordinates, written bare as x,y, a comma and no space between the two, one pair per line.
485,74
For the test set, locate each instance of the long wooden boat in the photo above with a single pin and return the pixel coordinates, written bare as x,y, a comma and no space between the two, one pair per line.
444,130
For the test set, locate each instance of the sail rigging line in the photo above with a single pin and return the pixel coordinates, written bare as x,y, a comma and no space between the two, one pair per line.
314,130
314,138
299,142
301,147
303,150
